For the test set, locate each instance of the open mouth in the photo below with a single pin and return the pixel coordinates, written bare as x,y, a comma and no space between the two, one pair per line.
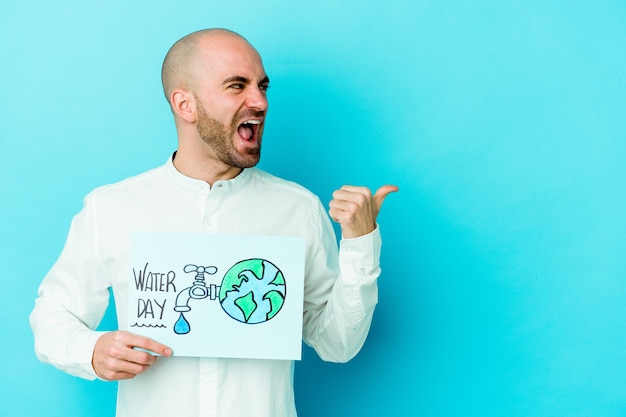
249,129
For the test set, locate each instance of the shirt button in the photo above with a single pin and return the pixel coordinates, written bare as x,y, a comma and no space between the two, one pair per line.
207,379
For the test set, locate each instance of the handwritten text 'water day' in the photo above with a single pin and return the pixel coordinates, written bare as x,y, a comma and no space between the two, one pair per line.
153,282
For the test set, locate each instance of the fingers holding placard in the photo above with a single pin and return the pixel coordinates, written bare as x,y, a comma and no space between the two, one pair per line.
123,355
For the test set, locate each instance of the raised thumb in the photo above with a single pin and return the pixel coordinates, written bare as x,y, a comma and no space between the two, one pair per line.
382,193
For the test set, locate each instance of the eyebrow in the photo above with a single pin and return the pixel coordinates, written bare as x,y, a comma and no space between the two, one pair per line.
244,80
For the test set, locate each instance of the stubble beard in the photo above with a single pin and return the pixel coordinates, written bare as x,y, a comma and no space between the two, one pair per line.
219,137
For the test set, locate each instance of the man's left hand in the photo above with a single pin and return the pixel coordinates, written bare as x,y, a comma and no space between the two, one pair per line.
356,209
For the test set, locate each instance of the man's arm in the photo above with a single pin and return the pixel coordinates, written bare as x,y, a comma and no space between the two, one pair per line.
341,289
72,300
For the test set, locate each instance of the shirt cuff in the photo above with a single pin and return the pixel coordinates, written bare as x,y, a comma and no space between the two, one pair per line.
83,350
361,255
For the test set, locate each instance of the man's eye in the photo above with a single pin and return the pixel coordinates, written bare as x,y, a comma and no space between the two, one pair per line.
264,87
237,86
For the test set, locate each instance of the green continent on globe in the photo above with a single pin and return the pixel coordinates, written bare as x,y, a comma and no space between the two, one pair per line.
247,305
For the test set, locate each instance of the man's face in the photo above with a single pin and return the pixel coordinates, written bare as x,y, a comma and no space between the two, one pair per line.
222,137
232,103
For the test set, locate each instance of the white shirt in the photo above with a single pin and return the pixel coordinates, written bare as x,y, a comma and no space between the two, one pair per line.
340,290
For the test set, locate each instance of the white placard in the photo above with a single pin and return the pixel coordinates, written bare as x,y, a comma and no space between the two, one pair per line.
218,295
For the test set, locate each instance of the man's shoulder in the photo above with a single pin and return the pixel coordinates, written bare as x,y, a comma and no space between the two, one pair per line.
131,184
281,185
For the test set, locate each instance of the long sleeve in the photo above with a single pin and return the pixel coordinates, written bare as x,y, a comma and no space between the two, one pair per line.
341,293
72,300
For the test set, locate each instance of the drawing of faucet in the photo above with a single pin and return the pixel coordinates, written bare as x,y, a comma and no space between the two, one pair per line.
198,291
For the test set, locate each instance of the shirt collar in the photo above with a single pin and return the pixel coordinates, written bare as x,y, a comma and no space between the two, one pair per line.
194,184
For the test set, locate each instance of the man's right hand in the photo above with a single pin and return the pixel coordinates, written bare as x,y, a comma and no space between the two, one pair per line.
115,358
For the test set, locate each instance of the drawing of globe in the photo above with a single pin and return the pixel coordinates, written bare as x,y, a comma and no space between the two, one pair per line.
253,291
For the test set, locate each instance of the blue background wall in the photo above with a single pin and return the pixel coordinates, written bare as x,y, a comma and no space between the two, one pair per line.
503,122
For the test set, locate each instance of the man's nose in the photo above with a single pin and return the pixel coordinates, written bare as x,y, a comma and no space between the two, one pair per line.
257,99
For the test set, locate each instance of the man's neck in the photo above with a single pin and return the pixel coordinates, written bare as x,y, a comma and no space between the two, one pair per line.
208,170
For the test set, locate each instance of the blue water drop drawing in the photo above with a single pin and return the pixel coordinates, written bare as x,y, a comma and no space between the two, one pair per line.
182,325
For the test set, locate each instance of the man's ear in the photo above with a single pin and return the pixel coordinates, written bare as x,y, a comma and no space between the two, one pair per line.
183,105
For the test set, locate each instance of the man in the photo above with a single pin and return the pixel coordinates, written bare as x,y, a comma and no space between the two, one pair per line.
216,86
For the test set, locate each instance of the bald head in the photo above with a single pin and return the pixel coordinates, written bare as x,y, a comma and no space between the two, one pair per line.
182,59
